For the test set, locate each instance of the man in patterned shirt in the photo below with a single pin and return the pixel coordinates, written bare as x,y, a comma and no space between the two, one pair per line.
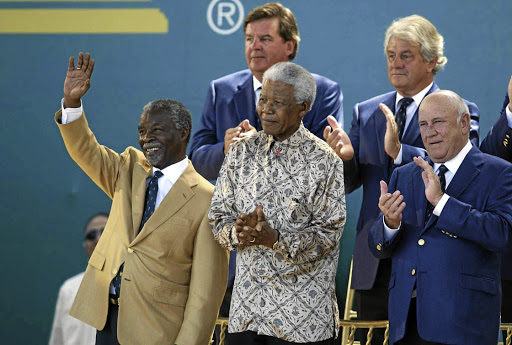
279,203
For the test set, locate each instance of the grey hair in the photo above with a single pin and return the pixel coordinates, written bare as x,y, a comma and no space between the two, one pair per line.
304,85
419,31
177,112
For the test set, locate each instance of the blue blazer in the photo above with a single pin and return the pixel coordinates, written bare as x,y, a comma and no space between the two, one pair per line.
230,100
453,260
498,142
371,164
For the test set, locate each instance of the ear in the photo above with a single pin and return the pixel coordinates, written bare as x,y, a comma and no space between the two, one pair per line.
431,65
290,46
465,123
184,134
304,108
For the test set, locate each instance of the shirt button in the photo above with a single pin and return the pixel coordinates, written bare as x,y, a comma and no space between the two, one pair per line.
421,241
130,250
413,272
114,271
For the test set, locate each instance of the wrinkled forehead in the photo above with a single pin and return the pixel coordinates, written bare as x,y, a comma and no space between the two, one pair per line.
155,116
437,106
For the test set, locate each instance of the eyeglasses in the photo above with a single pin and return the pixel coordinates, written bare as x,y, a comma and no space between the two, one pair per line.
93,234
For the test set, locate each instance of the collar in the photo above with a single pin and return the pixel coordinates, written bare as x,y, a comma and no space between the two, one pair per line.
295,140
174,171
417,97
256,84
454,163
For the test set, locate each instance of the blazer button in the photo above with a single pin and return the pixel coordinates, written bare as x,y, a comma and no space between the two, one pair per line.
130,250
413,272
379,247
421,241
114,271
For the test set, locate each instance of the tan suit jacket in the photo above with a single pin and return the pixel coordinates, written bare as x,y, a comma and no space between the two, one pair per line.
175,273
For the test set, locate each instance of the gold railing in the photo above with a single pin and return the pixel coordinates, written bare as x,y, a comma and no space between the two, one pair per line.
353,325
507,327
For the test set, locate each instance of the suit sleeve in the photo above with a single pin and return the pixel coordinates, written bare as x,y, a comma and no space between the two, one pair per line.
377,243
329,101
207,286
352,174
474,132
100,163
206,150
491,227
496,142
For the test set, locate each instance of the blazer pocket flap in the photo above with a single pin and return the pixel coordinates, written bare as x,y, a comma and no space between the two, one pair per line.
176,295
484,284
97,260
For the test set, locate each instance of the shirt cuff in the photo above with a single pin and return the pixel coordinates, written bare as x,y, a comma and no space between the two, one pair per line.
70,114
440,205
509,116
398,159
234,238
389,233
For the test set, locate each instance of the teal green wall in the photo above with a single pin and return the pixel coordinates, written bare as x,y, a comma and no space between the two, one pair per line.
46,198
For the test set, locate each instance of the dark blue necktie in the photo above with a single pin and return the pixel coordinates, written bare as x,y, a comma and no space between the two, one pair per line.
442,180
401,115
150,202
149,208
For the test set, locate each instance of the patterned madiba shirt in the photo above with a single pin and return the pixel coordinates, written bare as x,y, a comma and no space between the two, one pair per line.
288,293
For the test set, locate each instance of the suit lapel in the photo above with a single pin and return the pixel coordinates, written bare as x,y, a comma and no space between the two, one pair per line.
244,100
467,172
180,193
139,181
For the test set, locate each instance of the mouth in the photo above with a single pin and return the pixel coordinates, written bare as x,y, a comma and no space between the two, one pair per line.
151,150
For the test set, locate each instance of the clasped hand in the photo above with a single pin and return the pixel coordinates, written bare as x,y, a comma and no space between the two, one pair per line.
253,229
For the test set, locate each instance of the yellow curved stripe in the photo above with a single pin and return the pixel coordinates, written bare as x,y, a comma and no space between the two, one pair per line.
83,21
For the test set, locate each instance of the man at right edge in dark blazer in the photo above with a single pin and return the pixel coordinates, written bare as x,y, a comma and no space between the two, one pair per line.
498,142
444,222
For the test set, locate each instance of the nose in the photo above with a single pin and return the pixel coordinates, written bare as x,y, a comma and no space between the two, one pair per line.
147,137
430,131
256,44
397,62
267,107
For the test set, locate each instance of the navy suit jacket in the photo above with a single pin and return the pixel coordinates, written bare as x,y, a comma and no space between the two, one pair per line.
230,100
371,164
498,142
454,260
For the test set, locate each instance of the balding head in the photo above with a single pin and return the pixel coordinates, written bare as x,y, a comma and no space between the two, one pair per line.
444,125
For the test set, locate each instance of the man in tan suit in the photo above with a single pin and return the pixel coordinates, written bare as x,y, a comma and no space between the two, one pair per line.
172,273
